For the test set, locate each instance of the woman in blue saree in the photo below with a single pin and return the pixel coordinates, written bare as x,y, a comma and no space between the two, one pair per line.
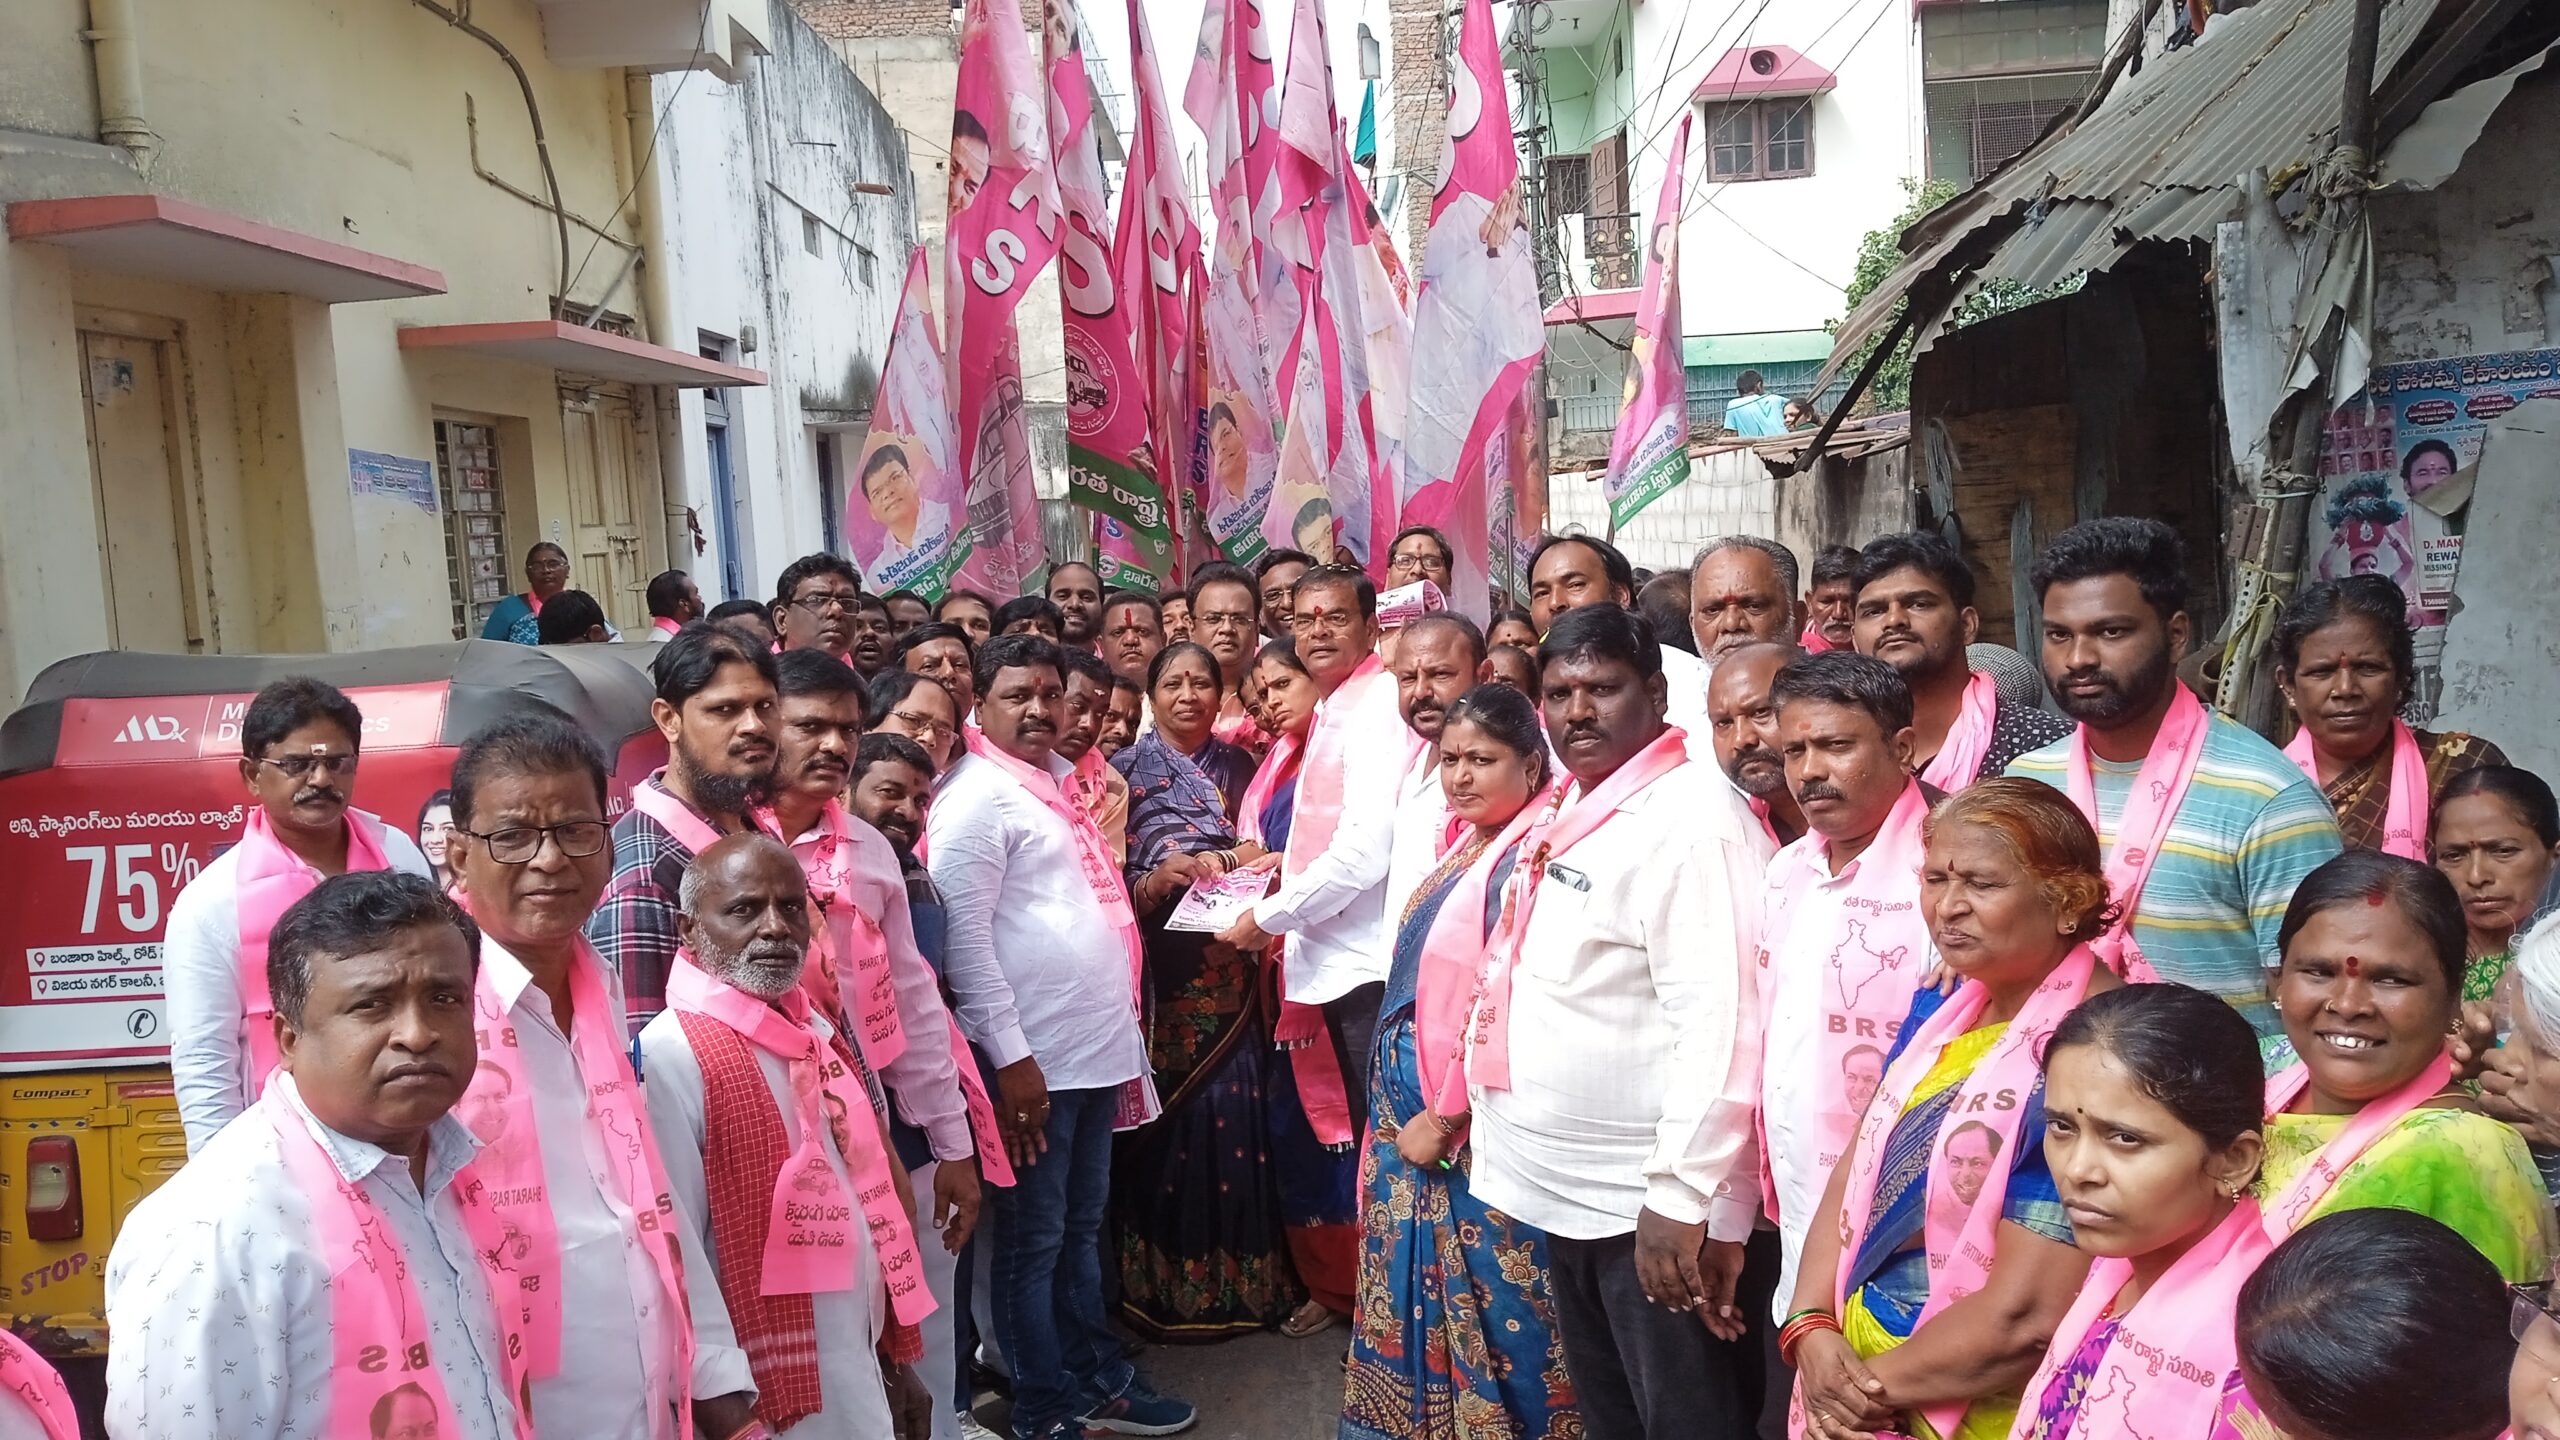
1201,1249
1455,1333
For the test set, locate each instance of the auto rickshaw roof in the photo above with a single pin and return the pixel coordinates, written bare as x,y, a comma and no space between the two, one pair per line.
606,689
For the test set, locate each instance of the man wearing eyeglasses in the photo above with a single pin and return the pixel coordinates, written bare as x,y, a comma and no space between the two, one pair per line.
1420,553
298,760
816,604
571,1170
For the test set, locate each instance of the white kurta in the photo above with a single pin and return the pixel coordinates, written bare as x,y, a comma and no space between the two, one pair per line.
1334,907
200,966
614,1325
849,1321
1035,965
218,1294
1634,1028
1422,823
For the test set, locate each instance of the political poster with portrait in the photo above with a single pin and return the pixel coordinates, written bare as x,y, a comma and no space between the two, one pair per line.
1112,462
1004,228
1649,454
1477,321
1156,246
1232,95
2396,467
904,515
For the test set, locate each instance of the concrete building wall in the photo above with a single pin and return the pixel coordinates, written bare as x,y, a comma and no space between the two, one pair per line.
774,242
2469,269
376,126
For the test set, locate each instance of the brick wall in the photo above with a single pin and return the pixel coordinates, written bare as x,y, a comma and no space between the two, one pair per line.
1420,112
868,19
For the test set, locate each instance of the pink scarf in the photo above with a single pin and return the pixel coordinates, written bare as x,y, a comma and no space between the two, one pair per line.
1960,1238
1138,1102
28,1376
1959,757
510,1163
1872,944
2143,829
2287,1211
857,949
1298,1029
1453,957
808,1242
1562,824
2404,824
1320,778
2163,1375
1813,641
270,878
652,798
377,1326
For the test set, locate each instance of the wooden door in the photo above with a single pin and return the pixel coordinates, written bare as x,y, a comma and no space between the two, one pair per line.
614,498
139,475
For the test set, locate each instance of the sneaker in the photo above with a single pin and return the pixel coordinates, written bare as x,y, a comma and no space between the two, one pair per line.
1141,1411
971,1428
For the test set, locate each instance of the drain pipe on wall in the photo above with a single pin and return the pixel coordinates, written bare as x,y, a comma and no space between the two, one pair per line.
115,53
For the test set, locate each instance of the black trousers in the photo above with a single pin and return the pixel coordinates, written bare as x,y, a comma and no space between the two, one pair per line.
1646,1373
1353,1018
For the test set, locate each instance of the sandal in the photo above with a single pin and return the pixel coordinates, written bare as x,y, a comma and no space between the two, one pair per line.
1312,1318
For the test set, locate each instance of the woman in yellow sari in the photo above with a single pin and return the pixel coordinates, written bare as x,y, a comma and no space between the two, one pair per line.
1941,1260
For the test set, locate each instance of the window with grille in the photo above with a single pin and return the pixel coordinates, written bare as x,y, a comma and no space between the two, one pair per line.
1569,184
475,531
1995,75
1760,139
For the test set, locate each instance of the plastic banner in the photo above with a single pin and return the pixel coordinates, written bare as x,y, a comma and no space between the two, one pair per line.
1649,455
904,514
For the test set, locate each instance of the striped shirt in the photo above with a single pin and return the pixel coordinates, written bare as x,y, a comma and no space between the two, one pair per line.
2250,828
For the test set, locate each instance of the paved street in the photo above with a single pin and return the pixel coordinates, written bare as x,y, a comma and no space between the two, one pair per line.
1263,1387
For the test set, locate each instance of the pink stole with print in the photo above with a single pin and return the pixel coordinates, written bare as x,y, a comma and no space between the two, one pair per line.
1138,1102
1959,757
652,798
1297,1029
1453,961
1960,1237
808,1239
2286,1212
2143,829
1563,823
39,1387
857,949
2404,822
510,1165
1813,641
378,1332
269,880
1870,942
2163,1375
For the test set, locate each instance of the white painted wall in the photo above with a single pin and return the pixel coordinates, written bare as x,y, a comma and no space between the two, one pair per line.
1775,254
745,167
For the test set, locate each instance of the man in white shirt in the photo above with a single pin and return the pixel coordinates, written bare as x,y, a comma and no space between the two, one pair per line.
1571,571
330,1218
812,1343
1331,902
1614,1062
1743,588
298,745
1038,959
571,1167
1842,941
1436,659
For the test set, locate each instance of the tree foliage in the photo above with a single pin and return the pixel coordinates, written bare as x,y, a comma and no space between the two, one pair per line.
1879,254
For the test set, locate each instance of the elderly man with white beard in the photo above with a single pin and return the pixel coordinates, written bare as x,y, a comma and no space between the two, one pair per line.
800,1255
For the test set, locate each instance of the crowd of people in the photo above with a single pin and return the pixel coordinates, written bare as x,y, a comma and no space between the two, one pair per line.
1723,1003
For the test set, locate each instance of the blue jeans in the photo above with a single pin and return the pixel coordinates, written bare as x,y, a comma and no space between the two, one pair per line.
1048,1269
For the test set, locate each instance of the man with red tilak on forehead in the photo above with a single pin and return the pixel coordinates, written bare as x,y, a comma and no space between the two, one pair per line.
799,1256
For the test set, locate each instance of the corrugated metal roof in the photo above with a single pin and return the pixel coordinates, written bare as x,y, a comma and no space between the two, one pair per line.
2163,156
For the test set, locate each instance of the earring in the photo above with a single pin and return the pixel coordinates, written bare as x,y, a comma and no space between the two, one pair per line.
2230,1191
2070,927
